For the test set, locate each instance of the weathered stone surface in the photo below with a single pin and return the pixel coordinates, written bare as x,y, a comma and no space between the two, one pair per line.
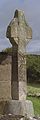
19,30
5,77
20,108
10,117
22,77
5,81
17,107
14,74
22,90
31,118
19,33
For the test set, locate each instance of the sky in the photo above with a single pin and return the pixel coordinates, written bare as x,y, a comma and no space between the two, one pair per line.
32,14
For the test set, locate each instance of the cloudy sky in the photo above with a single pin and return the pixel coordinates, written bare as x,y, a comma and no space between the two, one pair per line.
32,13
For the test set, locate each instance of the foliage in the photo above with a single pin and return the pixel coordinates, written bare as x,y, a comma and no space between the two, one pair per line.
33,68
34,89
8,50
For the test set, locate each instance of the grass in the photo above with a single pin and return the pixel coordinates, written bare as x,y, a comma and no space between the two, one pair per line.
33,89
36,105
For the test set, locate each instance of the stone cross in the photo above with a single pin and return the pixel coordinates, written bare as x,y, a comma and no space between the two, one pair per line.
19,34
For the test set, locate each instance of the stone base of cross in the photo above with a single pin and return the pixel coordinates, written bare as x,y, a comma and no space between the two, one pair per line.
16,109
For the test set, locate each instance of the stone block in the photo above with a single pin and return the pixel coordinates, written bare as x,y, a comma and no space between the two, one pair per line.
19,107
5,81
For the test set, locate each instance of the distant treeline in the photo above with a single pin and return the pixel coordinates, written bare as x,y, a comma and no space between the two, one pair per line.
33,68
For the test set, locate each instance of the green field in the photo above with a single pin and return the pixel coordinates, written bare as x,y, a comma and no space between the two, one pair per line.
33,89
